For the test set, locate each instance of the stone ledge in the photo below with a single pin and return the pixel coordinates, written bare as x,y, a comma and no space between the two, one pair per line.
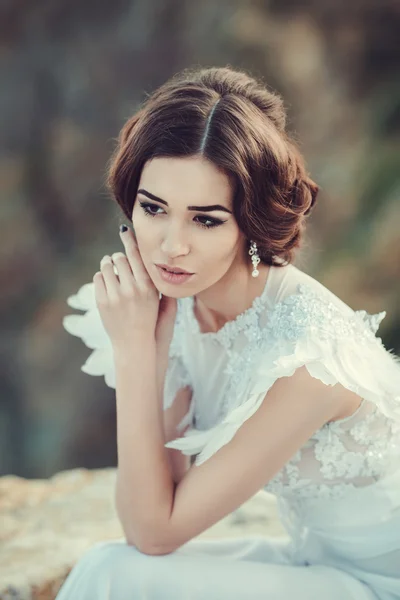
46,525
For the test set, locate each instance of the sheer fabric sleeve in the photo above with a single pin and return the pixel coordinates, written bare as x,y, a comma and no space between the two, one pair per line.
308,329
100,362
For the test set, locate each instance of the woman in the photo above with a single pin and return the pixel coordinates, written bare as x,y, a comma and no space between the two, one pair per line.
242,361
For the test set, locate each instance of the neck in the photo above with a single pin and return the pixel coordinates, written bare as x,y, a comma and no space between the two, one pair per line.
229,297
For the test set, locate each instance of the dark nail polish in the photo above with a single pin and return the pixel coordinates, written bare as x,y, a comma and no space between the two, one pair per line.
123,228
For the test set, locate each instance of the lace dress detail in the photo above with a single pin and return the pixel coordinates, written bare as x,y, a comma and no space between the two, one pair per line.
305,328
241,339
342,455
249,335
228,333
308,312
338,496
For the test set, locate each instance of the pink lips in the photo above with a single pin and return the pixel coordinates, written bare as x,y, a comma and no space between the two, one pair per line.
173,277
174,269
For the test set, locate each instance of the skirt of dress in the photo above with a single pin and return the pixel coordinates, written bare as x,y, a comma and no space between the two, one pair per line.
251,568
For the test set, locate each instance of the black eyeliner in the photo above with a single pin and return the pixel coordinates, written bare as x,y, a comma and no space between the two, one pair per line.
215,222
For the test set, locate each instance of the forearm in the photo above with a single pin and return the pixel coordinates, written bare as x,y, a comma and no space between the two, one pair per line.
178,461
145,488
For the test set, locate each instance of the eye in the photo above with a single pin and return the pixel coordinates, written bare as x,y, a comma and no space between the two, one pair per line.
211,222
150,209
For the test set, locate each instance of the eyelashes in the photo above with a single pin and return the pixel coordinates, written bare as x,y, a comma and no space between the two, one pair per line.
147,208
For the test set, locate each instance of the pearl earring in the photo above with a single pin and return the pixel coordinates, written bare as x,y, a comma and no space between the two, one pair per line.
255,259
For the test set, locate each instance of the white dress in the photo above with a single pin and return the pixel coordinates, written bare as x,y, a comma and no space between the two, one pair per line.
338,496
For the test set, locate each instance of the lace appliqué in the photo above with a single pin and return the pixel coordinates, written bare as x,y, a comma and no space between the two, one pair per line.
239,364
245,322
309,311
334,459
340,459
303,312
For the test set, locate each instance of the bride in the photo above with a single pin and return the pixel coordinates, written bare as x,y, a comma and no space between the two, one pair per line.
234,370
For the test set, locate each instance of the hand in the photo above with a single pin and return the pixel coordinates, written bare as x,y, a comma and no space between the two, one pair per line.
128,302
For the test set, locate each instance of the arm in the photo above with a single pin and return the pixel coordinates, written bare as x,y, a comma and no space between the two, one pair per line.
179,462
292,410
157,515
140,326
144,486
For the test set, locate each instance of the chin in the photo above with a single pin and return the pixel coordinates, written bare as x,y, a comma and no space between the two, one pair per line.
173,291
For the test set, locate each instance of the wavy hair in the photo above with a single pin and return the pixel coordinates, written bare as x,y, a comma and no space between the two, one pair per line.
234,121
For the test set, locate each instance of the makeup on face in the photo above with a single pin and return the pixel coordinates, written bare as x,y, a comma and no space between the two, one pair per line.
194,229
170,277
150,210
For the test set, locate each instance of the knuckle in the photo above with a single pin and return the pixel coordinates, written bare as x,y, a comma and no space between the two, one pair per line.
118,256
106,260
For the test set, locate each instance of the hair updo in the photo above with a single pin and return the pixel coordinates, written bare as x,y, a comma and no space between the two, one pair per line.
235,122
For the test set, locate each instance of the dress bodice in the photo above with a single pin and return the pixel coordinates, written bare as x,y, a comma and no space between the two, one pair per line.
339,495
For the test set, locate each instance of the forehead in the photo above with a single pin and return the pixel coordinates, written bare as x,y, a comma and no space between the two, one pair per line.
186,180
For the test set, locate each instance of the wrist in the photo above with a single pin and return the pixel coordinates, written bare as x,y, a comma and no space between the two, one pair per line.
139,347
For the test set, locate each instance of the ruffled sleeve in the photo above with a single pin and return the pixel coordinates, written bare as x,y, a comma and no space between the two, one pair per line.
335,345
90,329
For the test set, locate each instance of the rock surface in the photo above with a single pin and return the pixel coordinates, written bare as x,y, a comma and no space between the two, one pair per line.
46,525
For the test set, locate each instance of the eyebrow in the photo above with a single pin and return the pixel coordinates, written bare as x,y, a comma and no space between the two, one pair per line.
201,208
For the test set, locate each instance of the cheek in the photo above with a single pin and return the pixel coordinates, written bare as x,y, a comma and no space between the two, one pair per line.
220,248
216,246
227,241
143,229
145,240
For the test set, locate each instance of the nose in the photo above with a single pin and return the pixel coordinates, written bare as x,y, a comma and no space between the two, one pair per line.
174,244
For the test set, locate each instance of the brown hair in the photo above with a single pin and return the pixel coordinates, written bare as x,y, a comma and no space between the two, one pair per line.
235,122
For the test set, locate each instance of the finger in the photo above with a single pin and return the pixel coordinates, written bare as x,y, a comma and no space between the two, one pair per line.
99,288
123,267
135,260
110,278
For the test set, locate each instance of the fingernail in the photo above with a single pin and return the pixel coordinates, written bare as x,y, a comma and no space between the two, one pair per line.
123,228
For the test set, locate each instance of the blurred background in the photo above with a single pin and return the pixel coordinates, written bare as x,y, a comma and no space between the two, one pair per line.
72,72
